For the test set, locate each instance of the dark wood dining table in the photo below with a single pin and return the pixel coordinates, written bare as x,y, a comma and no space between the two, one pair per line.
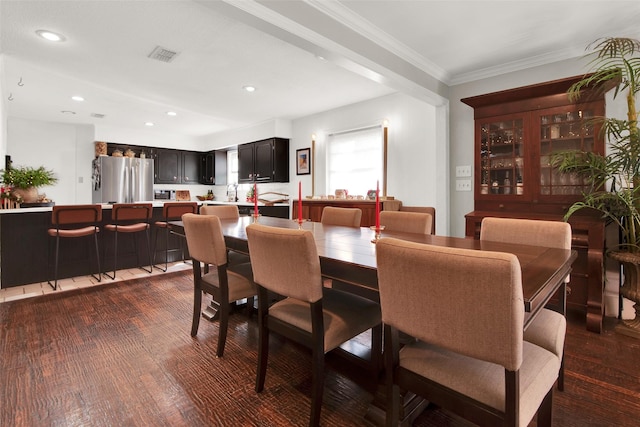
348,255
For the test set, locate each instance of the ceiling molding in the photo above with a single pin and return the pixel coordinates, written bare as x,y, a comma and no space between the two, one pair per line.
345,16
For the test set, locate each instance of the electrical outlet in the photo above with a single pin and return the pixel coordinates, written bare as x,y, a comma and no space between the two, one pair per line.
463,185
463,171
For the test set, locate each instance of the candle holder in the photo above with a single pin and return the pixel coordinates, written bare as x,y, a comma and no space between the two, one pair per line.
300,221
378,232
255,217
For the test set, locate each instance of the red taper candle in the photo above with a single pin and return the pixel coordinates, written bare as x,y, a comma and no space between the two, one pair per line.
299,201
255,200
377,205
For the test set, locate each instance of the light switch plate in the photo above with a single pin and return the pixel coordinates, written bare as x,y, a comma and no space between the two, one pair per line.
463,171
463,185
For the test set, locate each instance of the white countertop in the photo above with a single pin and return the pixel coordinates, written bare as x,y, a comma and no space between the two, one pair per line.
156,204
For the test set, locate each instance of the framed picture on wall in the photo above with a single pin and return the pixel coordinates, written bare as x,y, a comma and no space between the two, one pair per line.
303,161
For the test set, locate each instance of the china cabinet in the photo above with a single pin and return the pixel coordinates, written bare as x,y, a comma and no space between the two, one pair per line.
516,132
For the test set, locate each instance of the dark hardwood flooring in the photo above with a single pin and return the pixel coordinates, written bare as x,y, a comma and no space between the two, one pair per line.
121,355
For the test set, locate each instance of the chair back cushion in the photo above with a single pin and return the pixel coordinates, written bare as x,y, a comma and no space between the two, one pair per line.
348,217
205,239
463,300
221,211
175,210
132,212
76,214
406,222
552,234
285,261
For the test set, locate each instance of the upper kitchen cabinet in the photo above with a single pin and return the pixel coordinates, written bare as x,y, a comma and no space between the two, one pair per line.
213,168
176,166
264,161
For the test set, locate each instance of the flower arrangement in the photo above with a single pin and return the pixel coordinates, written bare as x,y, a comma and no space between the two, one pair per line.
25,177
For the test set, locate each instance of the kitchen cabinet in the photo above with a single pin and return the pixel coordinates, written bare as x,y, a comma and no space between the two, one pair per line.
213,168
264,161
516,132
176,166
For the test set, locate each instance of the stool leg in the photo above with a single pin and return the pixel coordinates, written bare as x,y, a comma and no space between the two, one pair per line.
95,238
55,267
115,256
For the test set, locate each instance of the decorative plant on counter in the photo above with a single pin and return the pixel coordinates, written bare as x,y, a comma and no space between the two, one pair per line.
615,64
23,181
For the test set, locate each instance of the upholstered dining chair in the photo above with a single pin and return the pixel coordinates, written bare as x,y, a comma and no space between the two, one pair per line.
74,221
348,217
206,246
171,211
226,212
548,328
465,308
407,222
130,218
286,262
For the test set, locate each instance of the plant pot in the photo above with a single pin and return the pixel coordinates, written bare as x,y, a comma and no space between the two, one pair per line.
630,289
29,195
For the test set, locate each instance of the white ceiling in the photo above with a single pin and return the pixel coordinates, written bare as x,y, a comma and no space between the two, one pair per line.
371,48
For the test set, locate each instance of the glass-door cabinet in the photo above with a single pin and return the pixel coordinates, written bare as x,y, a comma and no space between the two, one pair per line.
513,152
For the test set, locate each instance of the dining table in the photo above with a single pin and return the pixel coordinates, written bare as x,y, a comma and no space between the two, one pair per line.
348,257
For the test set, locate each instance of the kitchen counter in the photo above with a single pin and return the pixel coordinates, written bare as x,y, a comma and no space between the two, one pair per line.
25,244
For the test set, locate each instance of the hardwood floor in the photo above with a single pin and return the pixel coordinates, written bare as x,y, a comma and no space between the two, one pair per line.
121,354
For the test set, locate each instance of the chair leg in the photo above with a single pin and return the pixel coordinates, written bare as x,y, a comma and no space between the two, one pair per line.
263,339
561,374
317,386
223,327
197,307
545,410
146,233
376,350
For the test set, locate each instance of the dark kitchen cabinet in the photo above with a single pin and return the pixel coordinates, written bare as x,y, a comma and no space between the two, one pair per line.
264,161
516,133
176,166
168,166
213,168
190,167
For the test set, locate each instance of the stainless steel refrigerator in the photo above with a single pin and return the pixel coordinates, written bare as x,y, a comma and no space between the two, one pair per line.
122,180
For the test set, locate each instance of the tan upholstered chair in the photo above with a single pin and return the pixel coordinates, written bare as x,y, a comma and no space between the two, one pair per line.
221,211
226,212
396,205
406,222
171,211
73,221
348,217
286,262
466,310
206,245
549,327
130,218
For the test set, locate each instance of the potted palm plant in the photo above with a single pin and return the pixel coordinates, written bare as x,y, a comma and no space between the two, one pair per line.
24,181
613,180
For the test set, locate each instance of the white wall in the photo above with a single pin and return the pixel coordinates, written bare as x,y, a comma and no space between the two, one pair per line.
3,114
417,167
147,137
65,149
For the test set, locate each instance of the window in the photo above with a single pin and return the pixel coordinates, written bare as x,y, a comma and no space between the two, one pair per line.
232,167
354,160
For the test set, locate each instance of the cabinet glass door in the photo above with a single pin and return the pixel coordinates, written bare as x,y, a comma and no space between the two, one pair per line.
569,128
502,157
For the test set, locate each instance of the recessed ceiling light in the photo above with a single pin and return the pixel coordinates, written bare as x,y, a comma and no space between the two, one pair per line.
249,88
171,113
77,98
51,36
148,124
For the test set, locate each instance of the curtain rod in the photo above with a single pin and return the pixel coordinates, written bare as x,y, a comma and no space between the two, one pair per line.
343,132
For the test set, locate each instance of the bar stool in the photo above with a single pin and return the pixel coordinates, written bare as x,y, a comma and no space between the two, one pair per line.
130,218
67,222
171,211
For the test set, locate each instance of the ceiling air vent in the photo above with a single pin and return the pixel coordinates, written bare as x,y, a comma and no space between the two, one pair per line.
97,115
162,54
